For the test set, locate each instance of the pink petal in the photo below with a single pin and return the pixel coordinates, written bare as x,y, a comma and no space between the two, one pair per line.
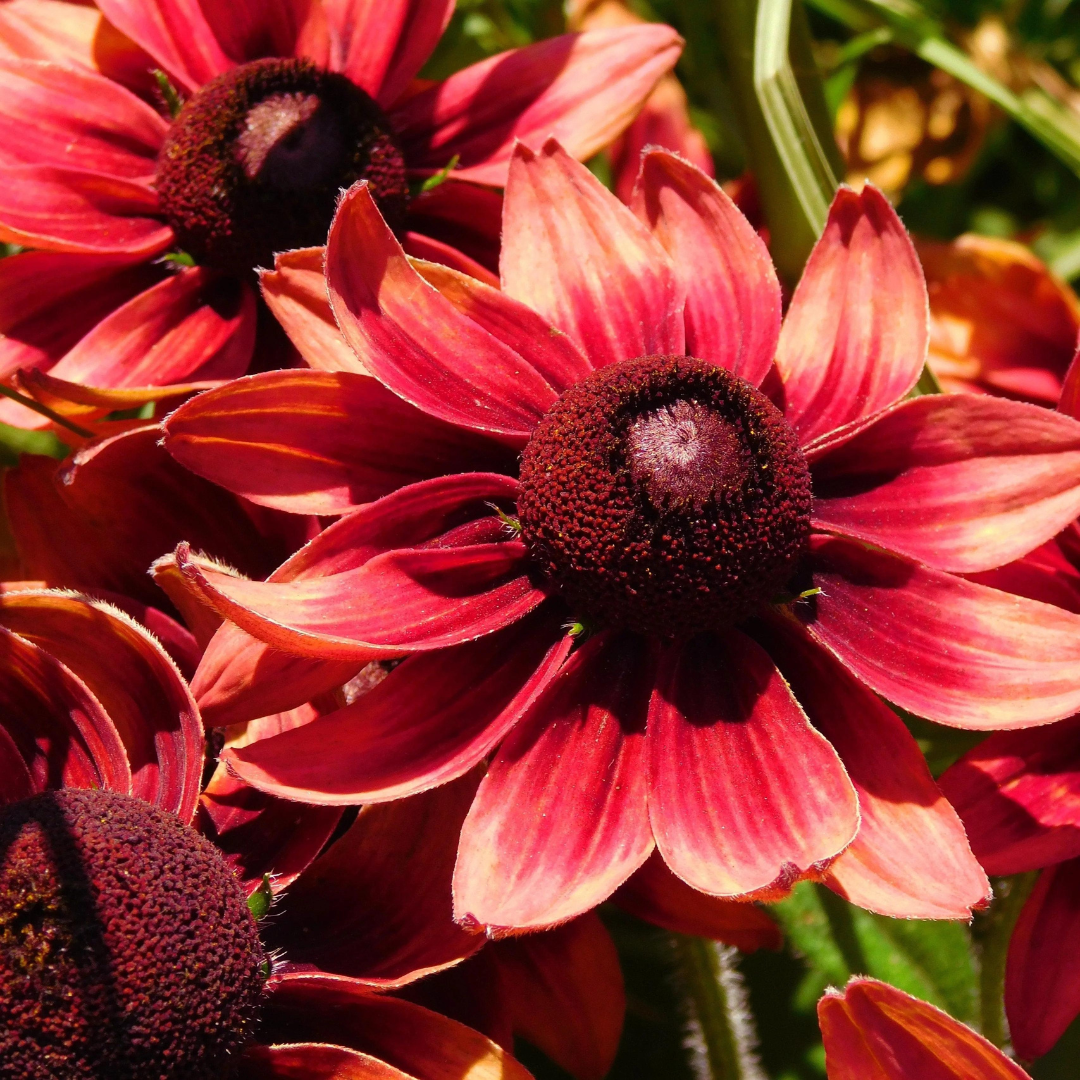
582,89
942,647
1042,977
383,45
418,246
397,925
580,258
1045,574
193,325
251,29
732,293
135,681
60,730
910,858
173,32
744,795
74,210
429,721
313,1061
656,895
855,336
560,820
313,442
415,341
1019,795
957,482
566,996
56,115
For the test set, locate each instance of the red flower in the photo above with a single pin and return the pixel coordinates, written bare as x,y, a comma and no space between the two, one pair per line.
872,1031
102,185
722,710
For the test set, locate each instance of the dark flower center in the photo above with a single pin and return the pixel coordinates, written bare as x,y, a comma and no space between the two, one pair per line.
256,159
665,495
126,945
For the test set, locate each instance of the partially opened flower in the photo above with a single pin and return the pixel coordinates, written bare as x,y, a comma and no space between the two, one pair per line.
666,631
872,1031
287,104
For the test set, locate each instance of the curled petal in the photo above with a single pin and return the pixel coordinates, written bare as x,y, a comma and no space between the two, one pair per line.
575,254
313,1061
854,339
732,292
942,647
560,820
744,795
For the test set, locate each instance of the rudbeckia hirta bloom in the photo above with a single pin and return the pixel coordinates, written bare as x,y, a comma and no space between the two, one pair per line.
663,630
286,105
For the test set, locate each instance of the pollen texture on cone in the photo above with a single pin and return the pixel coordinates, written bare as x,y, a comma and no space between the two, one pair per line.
256,159
127,951
665,495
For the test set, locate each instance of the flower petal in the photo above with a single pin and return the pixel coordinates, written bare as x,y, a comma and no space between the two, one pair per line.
173,32
582,89
415,341
732,292
873,1031
397,925
1019,795
314,442
428,248
252,29
135,681
313,1061
744,795
580,258
566,996
59,115
854,339
466,216
944,648
16,783
910,858
656,895
957,482
55,209
430,720
560,820
1042,975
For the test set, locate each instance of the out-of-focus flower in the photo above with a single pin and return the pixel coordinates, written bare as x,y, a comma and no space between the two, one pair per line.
664,506
664,120
288,103
1000,321
872,1031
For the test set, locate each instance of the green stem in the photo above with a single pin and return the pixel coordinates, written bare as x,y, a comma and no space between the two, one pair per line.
710,980
45,411
1010,894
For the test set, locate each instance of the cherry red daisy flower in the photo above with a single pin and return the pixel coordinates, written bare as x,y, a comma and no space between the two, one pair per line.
287,104
651,632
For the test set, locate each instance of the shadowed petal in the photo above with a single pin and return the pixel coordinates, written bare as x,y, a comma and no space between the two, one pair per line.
732,293
57,115
565,993
430,720
582,89
319,442
957,482
16,783
415,341
74,210
580,258
744,795
910,858
854,339
873,1031
251,29
135,681
560,819
942,647
466,216
429,249
394,864
313,1061
1042,976
1019,795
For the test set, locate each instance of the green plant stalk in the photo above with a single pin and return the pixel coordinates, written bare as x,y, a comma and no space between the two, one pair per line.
994,939
45,411
792,229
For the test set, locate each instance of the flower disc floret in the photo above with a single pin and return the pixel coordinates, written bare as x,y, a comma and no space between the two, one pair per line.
255,161
665,495
126,945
